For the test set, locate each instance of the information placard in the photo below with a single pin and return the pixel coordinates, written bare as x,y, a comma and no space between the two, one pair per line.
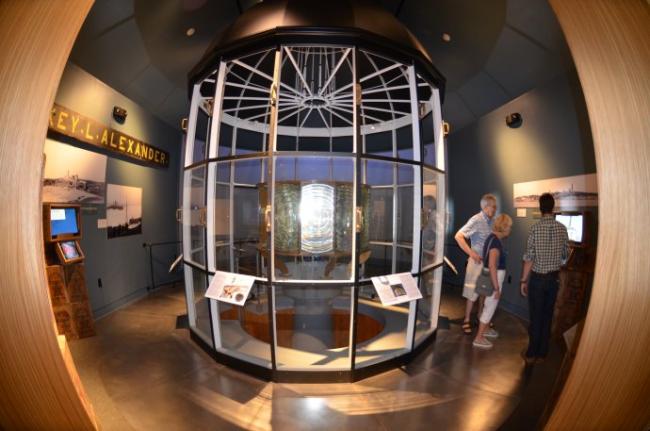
229,287
395,289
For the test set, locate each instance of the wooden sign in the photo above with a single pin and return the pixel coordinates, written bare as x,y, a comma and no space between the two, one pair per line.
75,125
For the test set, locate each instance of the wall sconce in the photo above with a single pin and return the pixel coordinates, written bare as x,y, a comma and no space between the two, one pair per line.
119,114
446,128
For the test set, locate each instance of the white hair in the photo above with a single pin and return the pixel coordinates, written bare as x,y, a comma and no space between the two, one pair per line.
487,198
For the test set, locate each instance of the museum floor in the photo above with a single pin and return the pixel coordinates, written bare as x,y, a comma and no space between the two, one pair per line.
141,373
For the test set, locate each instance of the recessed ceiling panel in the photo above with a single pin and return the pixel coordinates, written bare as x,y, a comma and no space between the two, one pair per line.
104,15
116,57
474,27
536,19
163,26
150,88
482,94
174,108
519,64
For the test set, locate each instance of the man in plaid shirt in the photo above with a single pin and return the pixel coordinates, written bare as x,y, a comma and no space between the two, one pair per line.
546,251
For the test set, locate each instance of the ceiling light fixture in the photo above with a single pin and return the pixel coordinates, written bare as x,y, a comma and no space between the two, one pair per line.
190,31
446,37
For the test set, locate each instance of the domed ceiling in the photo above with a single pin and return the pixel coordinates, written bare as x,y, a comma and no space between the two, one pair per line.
497,50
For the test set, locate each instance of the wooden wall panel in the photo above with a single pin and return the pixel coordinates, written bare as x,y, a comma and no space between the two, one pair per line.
37,386
609,384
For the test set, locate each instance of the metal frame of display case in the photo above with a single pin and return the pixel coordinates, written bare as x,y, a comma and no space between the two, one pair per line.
212,342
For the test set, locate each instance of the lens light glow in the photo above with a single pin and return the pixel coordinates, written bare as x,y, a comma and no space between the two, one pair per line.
317,218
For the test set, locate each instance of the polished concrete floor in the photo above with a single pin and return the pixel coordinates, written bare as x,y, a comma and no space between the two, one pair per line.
141,373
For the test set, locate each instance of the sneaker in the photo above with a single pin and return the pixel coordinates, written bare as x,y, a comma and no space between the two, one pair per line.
483,344
491,333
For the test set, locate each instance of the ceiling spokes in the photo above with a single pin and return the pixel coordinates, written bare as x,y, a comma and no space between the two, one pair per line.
316,88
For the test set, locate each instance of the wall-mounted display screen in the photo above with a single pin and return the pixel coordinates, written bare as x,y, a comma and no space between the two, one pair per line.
63,221
573,223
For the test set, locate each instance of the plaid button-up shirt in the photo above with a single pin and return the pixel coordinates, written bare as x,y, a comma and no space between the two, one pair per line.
547,245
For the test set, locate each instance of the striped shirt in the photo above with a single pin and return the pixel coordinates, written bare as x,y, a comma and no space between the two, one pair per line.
477,229
547,245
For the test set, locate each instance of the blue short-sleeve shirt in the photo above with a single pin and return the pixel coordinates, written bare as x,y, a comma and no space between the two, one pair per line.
477,229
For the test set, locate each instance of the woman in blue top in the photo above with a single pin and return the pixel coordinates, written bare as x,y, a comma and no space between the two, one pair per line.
494,257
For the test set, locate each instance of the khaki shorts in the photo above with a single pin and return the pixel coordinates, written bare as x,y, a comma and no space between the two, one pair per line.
472,272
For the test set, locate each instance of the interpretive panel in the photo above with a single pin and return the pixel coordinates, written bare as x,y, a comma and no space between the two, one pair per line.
229,287
396,289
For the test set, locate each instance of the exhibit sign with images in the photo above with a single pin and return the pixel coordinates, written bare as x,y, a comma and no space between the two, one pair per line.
123,211
73,175
229,287
396,289
569,192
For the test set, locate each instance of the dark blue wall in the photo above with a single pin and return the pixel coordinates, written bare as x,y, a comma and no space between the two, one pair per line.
488,157
122,263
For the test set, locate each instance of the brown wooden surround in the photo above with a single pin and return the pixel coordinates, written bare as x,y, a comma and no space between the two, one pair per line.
39,386
609,384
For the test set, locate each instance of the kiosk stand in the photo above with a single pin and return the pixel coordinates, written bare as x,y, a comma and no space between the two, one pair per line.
577,275
66,277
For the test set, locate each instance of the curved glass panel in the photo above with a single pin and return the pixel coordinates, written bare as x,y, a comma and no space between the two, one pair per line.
245,332
428,307
199,316
433,218
323,220
194,215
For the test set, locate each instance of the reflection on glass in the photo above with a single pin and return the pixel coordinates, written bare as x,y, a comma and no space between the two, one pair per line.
245,331
196,279
381,331
239,228
391,203
201,134
194,215
428,307
313,327
433,229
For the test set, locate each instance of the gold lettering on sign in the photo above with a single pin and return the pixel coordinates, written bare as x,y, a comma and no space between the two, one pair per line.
59,124
75,121
69,123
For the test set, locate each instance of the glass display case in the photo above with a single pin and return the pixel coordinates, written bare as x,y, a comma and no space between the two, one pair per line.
314,168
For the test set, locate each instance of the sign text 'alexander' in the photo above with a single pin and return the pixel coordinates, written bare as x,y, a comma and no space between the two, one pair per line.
77,126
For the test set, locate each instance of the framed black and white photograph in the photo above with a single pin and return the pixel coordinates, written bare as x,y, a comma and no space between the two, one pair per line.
569,192
123,211
73,175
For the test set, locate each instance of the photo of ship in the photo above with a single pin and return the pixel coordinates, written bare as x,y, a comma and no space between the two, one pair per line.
73,175
569,192
123,211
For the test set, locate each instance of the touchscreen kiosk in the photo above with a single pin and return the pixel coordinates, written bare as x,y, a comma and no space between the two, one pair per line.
62,230
574,224
69,252
61,222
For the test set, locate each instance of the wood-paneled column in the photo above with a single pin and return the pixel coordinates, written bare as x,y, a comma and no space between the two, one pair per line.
609,384
39,388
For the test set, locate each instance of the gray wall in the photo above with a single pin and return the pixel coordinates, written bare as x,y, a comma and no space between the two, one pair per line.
489,157
122,263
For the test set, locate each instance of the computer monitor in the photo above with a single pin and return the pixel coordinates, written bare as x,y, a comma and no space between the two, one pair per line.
61,222
574,224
